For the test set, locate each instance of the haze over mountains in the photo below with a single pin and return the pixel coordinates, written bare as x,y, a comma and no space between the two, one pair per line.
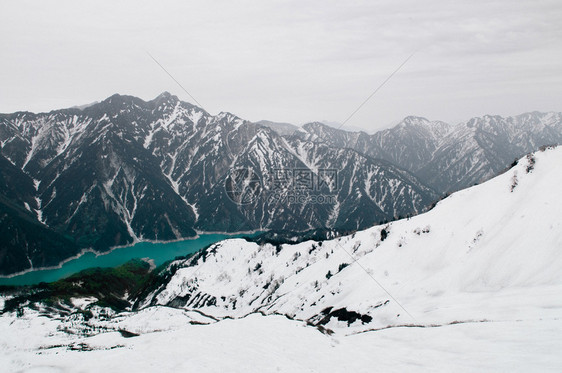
123,170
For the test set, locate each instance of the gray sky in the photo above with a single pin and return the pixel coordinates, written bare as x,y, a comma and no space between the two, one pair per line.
290,61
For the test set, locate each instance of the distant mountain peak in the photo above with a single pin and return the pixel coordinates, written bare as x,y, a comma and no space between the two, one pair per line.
165,97
412,119
282,128
85,106
165,94
118,99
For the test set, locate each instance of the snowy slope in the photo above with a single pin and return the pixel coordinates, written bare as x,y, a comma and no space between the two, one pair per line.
480,277
276,344
489,252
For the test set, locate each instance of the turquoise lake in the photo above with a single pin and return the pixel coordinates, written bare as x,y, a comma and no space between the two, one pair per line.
159,252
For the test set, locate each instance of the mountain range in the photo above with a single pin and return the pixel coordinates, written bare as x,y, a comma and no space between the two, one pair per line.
433,267
478,275
126,170
450,157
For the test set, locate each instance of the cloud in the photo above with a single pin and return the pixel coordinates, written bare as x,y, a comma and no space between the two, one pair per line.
288,60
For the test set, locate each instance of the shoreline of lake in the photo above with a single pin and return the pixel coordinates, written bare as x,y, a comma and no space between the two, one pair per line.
160,251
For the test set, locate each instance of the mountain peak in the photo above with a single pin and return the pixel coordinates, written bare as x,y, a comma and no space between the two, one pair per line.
316,125
281,128
165,95
413,120
119,99
225,114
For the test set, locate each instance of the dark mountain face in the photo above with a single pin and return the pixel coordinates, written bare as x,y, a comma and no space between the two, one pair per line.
125,170
95,182
26,243
449,157
305,185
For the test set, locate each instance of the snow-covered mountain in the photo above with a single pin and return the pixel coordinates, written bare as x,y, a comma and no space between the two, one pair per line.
475,281
480,148
125,170
282,128
450,157
410,144
502,238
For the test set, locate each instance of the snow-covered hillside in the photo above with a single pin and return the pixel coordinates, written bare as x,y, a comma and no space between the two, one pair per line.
473,284
275,344
491,252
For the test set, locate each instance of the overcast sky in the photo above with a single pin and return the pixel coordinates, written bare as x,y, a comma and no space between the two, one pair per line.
290,61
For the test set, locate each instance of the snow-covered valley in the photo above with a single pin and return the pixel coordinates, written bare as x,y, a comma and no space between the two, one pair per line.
474,284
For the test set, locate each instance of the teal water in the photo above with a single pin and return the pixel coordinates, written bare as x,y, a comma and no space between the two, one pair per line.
159,252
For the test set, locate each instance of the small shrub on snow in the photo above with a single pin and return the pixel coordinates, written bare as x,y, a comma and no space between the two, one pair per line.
384,234
514,182
531,165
